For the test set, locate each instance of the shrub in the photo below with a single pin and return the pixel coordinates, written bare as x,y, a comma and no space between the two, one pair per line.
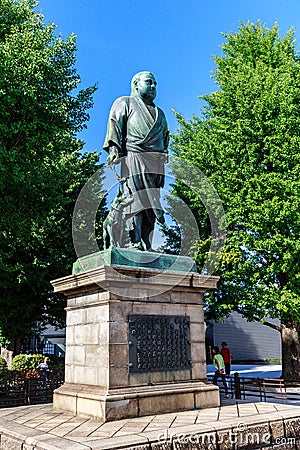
26,362
3,363
4,376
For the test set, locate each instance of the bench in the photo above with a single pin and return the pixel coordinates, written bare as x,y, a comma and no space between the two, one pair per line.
274,388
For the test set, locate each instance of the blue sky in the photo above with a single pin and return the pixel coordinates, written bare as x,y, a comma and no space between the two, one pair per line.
175,39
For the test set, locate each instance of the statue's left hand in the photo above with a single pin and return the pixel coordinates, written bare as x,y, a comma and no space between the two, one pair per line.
113,157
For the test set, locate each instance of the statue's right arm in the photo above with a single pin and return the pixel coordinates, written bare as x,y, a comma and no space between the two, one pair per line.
116,122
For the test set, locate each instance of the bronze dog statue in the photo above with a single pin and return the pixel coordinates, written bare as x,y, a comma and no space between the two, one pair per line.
113,225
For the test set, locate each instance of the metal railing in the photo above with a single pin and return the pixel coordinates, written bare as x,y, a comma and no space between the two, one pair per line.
28,387
261,389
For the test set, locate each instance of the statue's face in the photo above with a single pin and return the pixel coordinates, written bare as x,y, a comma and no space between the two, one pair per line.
146,87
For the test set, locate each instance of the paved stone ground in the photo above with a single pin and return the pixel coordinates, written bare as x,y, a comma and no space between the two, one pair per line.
40,427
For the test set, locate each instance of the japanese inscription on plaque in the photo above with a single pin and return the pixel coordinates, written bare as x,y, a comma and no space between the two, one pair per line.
158,343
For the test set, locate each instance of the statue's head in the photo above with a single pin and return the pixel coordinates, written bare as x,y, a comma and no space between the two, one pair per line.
143,84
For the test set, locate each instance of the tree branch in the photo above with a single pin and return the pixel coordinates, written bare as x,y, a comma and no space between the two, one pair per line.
268,324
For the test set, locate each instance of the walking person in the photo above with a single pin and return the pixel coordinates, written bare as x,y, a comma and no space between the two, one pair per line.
44,369
227,355
219,365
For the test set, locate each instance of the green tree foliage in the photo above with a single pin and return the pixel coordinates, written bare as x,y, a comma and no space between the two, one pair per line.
26,362
247,141
42,166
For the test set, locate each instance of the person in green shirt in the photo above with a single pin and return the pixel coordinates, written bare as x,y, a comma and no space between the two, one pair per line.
219,365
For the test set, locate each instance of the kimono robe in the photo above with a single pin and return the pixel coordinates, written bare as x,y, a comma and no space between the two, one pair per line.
143,140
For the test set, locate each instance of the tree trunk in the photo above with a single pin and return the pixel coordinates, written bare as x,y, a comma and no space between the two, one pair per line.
7,355
15,345
290,338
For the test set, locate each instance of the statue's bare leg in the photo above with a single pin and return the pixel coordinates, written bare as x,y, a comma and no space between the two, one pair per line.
147,232
136,233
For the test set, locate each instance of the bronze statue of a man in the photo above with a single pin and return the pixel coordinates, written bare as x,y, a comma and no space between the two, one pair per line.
137,135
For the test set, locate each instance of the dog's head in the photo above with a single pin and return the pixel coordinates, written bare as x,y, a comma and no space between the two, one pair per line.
121,201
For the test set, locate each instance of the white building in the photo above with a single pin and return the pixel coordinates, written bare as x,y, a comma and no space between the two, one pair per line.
248,341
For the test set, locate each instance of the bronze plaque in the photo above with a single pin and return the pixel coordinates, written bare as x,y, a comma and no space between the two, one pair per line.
158,343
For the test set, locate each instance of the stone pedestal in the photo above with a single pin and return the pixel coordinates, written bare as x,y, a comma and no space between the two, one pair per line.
102,379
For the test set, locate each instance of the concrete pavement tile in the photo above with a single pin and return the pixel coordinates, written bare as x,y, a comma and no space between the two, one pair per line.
13,412
231,407
193,413
37,421
132,427
221,424
186,419
100,434
34,423
182,423
163,419
108,429
144,425
208,414
231,412
263,407
115,425
144,419
249,407
122,434
200,420
246,414
25,418
158,424
165,416
185,430
161,423
227,417
283,406
65,428
85,429
54,422
126,431
292,413
26,414
13,416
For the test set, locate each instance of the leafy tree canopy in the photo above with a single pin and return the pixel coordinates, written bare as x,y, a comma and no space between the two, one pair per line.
42,167
247,141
